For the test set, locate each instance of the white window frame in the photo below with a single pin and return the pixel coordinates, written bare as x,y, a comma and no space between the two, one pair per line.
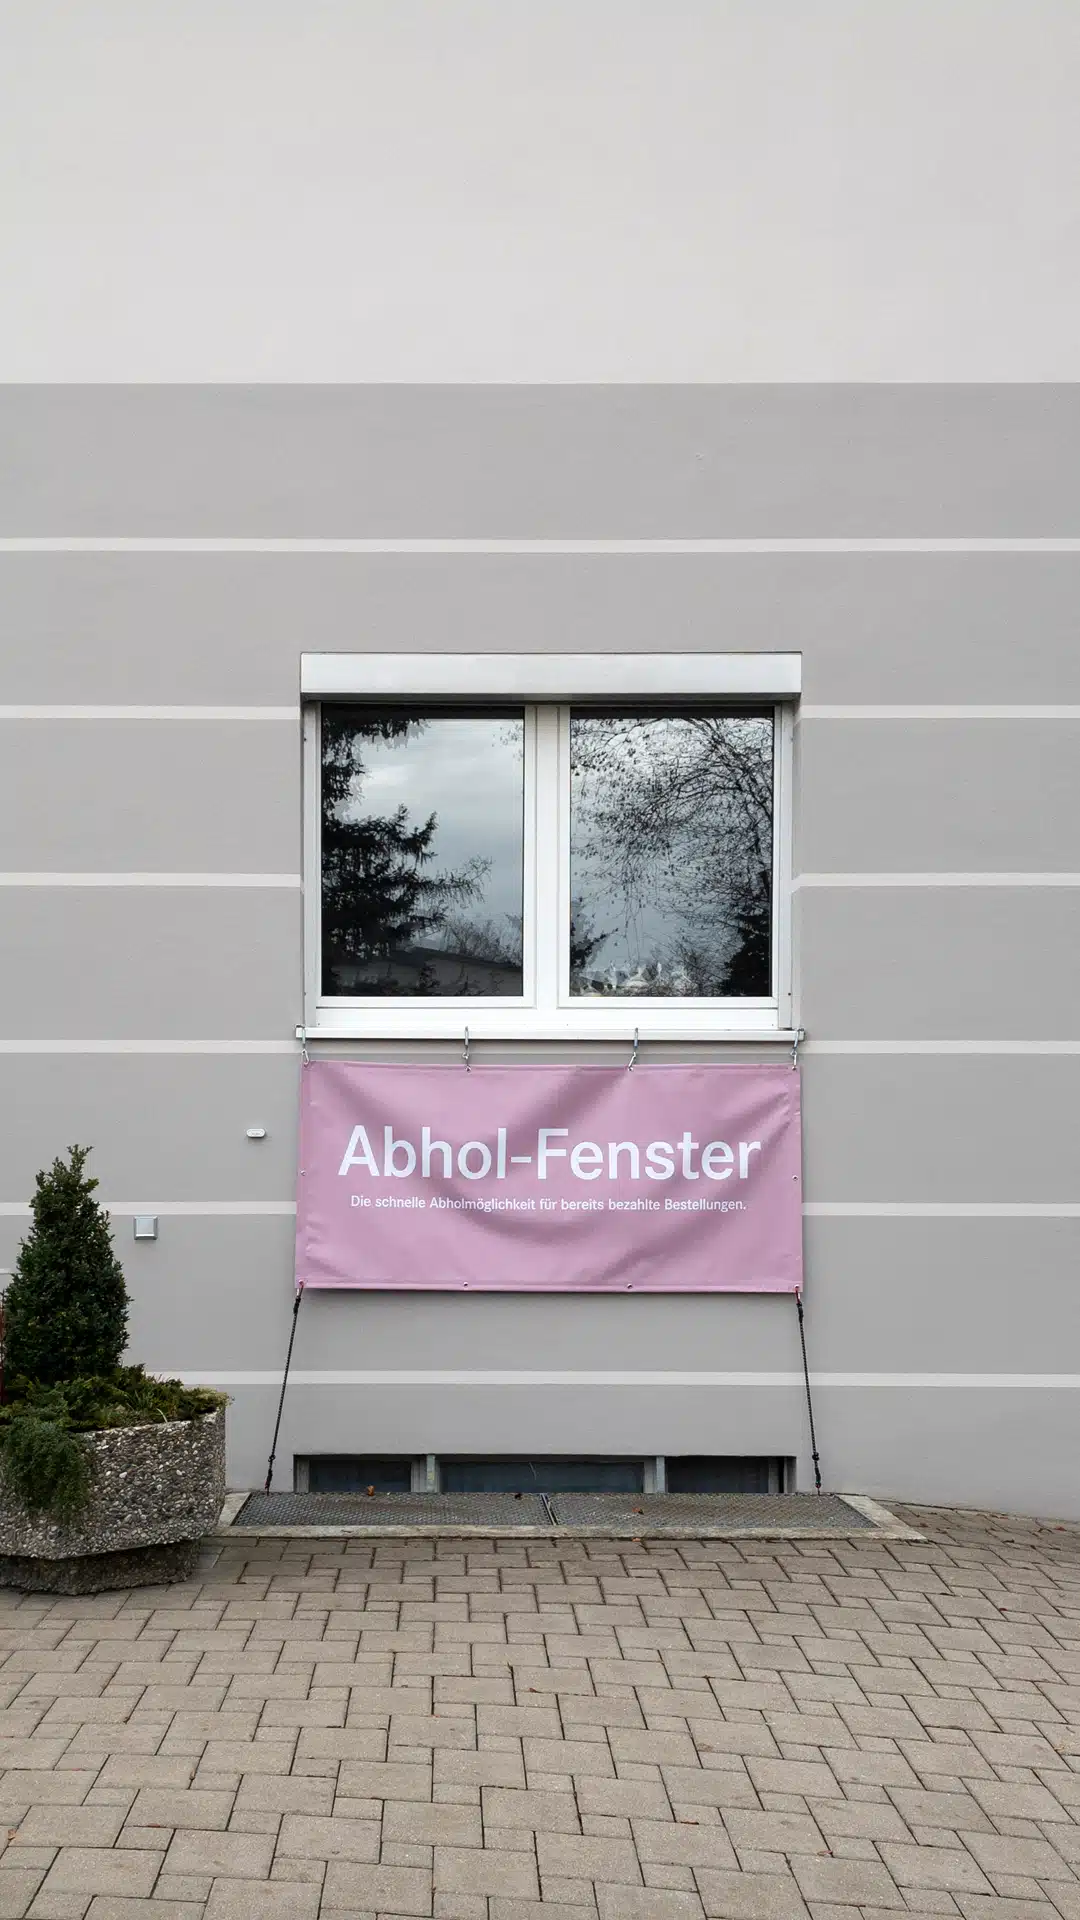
546,686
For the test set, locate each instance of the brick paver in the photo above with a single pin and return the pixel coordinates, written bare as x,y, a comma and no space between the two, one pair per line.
603,1730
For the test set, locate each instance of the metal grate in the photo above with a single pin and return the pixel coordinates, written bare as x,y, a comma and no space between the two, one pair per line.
633,1513
392,1510
689,1511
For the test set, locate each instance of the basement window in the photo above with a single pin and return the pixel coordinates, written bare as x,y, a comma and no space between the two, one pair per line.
353,1473
735,1473
541,1475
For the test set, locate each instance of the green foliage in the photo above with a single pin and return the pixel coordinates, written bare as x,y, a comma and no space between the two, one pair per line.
127,1397
66,1308
65,1324
44,1463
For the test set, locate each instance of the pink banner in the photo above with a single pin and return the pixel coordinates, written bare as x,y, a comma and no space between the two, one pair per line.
550,1179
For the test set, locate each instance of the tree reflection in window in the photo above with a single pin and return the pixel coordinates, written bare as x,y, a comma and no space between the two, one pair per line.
671,855
421,853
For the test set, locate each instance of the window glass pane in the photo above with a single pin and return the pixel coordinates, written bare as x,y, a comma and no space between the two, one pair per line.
671,855
542,1475
422,835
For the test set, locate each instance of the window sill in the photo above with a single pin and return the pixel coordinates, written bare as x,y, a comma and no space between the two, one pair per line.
526,1023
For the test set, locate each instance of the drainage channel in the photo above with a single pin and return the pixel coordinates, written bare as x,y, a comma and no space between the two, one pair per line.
616,1515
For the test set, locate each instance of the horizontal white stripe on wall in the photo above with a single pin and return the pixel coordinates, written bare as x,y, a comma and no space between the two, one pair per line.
813,1209
807,711
1034,1048
149,713
287,880
812,712
804,880
1029,1382
174,1209
120,543
240,1047
292,1048
294,881
942,1209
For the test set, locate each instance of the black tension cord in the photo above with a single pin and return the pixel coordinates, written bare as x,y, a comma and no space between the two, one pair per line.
284,1384
814,1455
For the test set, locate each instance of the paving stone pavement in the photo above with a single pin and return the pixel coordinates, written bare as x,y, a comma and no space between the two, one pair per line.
603,1730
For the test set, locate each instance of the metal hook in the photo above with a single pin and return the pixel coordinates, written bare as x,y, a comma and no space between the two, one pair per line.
301,1034
465,1053
634,1054
800,1034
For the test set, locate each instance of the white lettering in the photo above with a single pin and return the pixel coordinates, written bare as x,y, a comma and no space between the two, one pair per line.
746,1148
365,1158
391,1148
660,1162
428,1146
623,1146
617,1160
585,1155
688,1147
544,1153
474,1146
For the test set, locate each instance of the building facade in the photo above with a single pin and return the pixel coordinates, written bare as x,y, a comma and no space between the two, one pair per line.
173,556
423,413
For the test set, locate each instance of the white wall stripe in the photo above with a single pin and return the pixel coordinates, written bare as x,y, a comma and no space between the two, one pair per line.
298,1377
121,543
175,1209
241,1047
812,1209
807,711
942,1209
289,880
810,711
149,713
291,1048
1035,1048
804,880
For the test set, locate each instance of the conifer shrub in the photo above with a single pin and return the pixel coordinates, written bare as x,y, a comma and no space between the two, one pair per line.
65,1326
65,1314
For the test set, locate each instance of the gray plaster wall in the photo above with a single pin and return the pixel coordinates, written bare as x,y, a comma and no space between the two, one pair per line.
944,1345
577,462
587,190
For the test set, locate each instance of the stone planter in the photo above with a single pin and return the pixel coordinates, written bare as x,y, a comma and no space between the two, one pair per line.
157,1490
